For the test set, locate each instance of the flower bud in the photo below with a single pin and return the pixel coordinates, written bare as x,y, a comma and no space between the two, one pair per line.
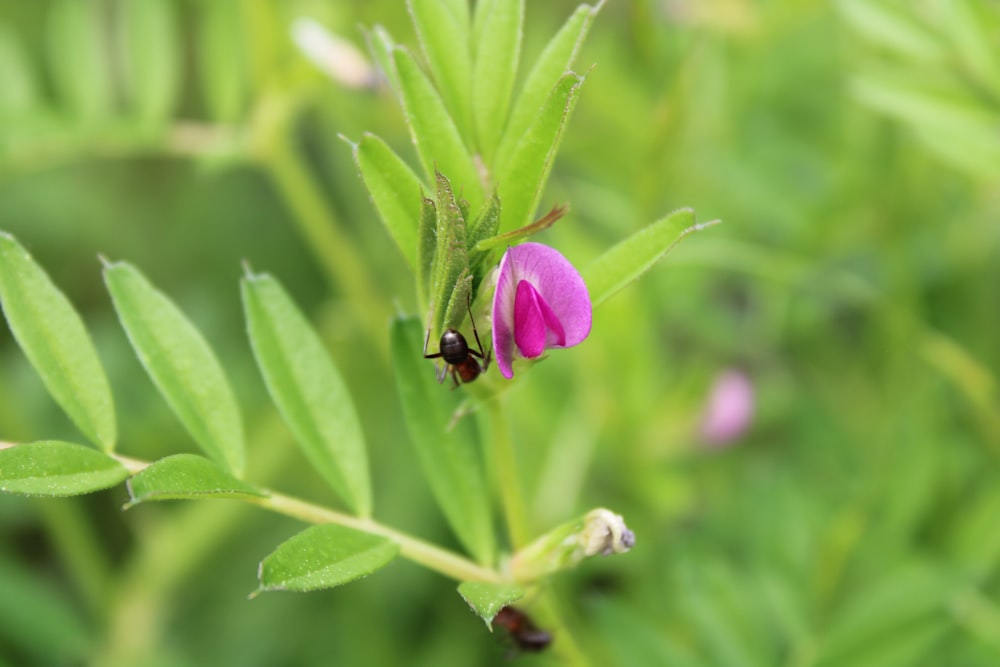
599,532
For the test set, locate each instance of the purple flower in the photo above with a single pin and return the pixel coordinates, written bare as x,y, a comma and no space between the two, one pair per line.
540,302
728,410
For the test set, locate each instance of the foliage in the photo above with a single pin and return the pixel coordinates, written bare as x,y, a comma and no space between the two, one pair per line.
849,149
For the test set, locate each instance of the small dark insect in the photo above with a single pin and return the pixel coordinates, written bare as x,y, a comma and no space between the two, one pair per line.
458,357
522,630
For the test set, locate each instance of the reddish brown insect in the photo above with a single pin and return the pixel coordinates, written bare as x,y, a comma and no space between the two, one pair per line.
522,630
459,358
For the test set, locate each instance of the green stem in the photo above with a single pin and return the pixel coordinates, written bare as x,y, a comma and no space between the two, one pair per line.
565,643
325,236
507,477
336,253
420,552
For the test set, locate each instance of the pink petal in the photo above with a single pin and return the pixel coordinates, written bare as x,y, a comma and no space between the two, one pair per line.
558,300
535,325
729,409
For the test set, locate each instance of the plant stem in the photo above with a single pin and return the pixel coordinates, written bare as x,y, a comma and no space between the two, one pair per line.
416,550
423,553
322,232
507,478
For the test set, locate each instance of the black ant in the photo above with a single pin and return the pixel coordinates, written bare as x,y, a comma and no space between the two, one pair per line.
458,357
522,630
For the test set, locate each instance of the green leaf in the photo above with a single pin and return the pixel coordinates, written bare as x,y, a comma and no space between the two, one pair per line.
972,38
426,247
186,476
76,42
913,592
54,339
395,190
41,618
631,258
557,57
444,39
55,468
181,364
308,389
484,227
221,59
381,47
20,85
451,260
891,29
324,556
150,39
487,599
448,454
434,132
497,44
527,170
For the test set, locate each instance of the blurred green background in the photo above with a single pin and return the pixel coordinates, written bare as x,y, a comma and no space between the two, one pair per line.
852,150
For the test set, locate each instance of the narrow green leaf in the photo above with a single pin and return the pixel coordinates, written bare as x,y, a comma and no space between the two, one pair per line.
458,302
426,246
181,364
497,44
971,36
381,47
444,39
186,476
308,389
484,227
487,599
451,260
522,178
434,132
631,258
395,190
912,592
80,69
448,454
55,468
557,57
222,58
20,84
892,29
324,556
150,40
54,339
42,619
487,221
460,12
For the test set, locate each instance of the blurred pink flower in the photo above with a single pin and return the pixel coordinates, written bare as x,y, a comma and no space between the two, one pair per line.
540,302
729,408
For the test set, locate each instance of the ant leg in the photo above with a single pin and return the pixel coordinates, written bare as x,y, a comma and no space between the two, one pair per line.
426,340
475,332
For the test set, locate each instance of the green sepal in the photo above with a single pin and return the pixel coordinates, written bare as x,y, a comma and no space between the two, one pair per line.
487,599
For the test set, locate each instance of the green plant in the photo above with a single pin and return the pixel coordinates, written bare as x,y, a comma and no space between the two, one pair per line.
485,161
